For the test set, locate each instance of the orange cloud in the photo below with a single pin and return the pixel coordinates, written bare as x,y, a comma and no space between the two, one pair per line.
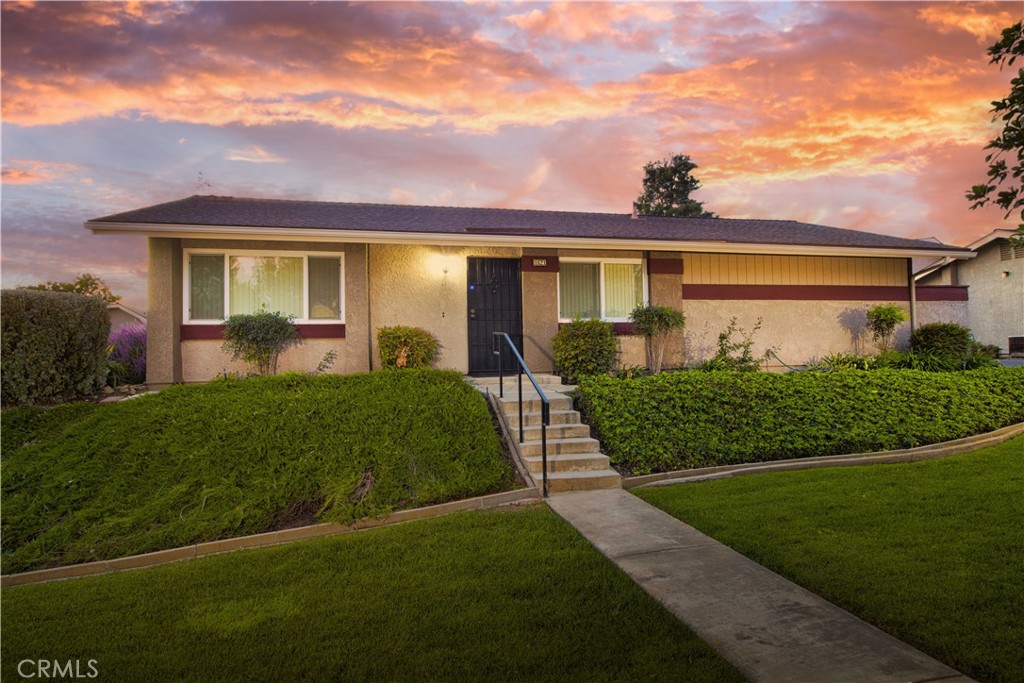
30,172
984,26
839,90
581,22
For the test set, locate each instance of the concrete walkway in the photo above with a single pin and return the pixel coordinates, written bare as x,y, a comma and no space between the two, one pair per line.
768,627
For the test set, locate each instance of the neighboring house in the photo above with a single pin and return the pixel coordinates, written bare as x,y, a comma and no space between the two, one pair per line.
121,315
996,283
345,270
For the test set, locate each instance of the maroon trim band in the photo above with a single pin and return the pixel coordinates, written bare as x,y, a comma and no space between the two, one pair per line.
665,266
306,331
942,292
540,263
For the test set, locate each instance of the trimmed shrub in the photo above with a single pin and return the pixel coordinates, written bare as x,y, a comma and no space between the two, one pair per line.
655,323
954,342
407,347
691,419
987,351
585,347
54,346
948,339
882,321
260,338
127,347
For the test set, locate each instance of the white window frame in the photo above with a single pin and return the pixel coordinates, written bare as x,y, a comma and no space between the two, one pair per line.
228,253
600,275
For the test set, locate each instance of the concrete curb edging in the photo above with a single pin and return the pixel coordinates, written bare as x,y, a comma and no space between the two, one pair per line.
264,540
930,452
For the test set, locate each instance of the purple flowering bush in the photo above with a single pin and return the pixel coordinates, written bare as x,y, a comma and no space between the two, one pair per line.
128,354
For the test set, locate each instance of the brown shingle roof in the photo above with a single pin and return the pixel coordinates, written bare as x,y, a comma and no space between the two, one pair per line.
279,213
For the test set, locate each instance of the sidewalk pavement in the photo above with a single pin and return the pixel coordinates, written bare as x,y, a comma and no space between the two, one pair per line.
769,628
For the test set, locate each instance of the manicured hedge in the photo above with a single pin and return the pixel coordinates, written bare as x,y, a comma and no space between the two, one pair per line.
691,419
402,346
54,346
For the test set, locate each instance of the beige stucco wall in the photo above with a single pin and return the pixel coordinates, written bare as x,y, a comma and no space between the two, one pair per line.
426,287
203,359
172,360
802,330
996,307
667,290
942,312
163,350
540,319
799,331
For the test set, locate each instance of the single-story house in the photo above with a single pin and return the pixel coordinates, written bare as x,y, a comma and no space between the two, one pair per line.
122,316
345,270
996,283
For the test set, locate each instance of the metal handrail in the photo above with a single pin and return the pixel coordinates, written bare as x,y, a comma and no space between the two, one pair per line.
545,404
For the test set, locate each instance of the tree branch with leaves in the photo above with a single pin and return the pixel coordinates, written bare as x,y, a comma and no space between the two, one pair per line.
1006,160
86,283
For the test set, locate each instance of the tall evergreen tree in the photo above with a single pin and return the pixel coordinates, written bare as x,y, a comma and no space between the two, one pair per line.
667,188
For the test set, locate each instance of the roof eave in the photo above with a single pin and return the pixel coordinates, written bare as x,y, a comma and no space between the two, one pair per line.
494,240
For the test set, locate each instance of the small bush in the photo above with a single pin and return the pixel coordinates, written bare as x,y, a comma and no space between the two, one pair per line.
260,338
681,420
407,347
585,347
882,321
955,343
735,355
54,346
948,339
987,351
655,323
127,354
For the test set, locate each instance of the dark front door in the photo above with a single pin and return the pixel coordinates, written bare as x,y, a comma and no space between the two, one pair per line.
494,295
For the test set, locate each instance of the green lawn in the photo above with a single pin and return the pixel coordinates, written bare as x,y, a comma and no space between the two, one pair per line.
479,596
234,457
932,552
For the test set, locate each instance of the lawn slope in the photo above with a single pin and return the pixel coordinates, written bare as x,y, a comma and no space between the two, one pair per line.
513,595
932,552
233,457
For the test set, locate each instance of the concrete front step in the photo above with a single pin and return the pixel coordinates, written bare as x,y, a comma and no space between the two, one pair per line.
559,482
511,378
529,394
569,462
529,449
533,403
555,431
533,418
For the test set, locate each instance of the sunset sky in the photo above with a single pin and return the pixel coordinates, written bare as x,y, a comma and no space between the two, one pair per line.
870,116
